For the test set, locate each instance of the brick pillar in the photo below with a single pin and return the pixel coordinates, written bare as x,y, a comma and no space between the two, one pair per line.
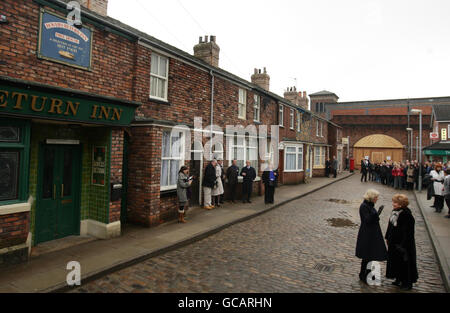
117,137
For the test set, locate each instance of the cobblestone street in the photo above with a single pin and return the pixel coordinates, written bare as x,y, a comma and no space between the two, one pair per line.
307,245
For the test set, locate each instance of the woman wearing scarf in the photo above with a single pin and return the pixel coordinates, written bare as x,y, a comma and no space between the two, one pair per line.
370,244
183,184
401,263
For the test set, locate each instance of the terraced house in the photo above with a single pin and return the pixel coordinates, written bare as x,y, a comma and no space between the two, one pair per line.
96,120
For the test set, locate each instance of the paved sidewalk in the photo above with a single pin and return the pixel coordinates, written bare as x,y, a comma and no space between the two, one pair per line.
439,230
47,272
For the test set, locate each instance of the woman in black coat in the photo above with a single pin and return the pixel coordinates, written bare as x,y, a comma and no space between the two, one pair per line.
269,178
401,264
370,244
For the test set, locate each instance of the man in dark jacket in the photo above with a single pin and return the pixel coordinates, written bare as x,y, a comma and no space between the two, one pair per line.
334,166
365,165
249,174
209,181
327,168
232,178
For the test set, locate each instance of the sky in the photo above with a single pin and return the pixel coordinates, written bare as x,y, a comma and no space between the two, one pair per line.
358,49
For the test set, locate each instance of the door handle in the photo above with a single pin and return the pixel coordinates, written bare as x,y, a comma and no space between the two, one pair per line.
62,191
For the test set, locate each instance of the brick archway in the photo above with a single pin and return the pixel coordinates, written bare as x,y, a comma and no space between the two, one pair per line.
378,148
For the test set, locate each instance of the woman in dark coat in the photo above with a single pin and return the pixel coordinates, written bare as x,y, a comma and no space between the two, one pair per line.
401,264
370,244
269,178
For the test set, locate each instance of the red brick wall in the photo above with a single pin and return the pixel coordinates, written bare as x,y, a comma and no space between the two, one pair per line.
14,229
116,170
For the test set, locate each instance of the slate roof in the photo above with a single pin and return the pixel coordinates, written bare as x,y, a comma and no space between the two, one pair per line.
441,145
323,93
442,112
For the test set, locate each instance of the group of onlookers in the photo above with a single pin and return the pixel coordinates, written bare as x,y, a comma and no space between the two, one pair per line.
216,180
405,175
331,167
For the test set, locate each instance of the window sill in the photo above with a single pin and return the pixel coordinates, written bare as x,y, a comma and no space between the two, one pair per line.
168,193
15,208
318,167
293,171
159,101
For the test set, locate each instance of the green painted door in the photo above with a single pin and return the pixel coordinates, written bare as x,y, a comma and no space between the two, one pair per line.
58,208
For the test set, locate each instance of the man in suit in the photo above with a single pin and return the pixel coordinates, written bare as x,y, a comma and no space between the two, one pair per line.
249,174
232,178
365,165
334,166
327,168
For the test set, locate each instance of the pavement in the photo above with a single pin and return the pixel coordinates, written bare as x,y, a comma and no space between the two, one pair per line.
438,228
304,246
46,272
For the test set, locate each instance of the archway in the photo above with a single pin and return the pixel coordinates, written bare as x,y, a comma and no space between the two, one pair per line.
378,148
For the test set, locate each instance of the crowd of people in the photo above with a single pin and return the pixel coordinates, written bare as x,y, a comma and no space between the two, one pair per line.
216,181
405,175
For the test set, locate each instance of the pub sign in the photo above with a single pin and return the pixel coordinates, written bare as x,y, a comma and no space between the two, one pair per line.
98,165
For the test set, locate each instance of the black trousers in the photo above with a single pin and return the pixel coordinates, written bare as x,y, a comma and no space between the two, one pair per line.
269,192
364,271
233,190
334,173
364,176
447,201
247,187
439,203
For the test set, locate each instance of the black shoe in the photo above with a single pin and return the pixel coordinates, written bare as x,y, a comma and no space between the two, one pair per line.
396,282
406,287
249,201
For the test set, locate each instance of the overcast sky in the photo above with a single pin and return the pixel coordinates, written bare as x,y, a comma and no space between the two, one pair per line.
358,49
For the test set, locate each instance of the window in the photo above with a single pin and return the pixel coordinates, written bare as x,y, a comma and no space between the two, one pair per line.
242,103
321,129
14,159
317,106
218,151
281,116
291,120
293,159
256,108
159,77
317,128
319,157
172,158
299,121
243,149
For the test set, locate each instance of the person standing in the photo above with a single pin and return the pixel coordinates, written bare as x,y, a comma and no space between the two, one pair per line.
396,175
183,183
370,244
334,166
447,190
401,262
217,191
364,169
437,177
232,179
249,174
222,177
410,177
209,181
269,178
327,168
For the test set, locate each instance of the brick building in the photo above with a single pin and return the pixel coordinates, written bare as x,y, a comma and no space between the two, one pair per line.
96,120
439,149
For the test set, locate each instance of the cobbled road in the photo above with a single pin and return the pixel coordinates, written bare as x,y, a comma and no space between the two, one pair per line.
307,245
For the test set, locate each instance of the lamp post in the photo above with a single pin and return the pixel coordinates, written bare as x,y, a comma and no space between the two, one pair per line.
410,137
415,111
417,148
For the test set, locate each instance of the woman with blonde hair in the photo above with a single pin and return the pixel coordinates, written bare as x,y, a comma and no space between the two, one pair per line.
370,244
401,262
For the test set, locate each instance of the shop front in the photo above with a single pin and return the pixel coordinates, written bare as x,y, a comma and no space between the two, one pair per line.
439,152
61,164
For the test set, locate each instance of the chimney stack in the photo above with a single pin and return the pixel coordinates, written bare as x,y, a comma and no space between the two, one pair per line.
262,79
97,6
298,98
207,51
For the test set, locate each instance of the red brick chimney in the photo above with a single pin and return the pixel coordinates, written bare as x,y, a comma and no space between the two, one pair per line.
261,78
207,51
298,98
97,6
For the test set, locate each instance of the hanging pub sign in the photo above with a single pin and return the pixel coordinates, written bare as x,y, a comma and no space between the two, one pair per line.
63,43
98,165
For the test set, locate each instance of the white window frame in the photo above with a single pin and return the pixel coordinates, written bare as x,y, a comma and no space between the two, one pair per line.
291,120
256,108
172,158
281,115
298,151
320,157
321,129
242,104
246,144
299,122
165,78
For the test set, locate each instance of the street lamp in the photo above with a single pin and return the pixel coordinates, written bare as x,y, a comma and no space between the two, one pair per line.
410,143
417,111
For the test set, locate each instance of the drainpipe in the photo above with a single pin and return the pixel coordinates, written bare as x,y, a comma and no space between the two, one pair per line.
212,110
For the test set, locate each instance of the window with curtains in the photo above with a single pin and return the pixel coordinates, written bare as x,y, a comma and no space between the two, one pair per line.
243,149
242,103
299,121
319,156
14,160
281,116
172,158
256,108
291,119
159,73
293,159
